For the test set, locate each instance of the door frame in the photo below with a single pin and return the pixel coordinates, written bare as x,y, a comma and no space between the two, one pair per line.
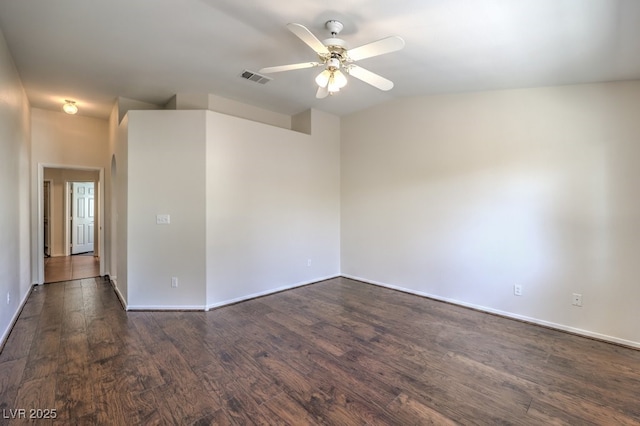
39,260
50,204
66,229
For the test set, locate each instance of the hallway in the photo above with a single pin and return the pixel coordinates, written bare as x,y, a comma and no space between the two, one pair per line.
66,268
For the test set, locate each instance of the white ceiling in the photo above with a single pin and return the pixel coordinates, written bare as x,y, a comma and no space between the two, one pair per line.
149,50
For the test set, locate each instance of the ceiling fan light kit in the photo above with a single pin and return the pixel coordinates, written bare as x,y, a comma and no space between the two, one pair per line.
335,57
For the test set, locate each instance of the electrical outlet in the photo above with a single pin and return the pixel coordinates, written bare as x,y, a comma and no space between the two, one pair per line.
577,299
174,282
517,290
308,262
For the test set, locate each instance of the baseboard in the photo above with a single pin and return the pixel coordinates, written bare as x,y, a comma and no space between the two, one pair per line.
114,284
165,308
5,334
267,292
536,321
207,307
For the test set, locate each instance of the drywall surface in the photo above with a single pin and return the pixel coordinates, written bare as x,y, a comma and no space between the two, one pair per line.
15,228
165,176
273,206
250,112
187,101
125,104
111,197
69,140
119,208
463,196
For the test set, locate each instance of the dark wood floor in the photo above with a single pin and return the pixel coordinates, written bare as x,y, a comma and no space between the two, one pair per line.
337,352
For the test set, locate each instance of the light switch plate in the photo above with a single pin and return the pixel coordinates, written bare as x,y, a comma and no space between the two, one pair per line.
163,219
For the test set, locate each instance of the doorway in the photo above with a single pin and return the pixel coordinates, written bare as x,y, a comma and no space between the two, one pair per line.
80,262
60,228
82,216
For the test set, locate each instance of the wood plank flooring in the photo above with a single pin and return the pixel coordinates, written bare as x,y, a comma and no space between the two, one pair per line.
338,352
65,268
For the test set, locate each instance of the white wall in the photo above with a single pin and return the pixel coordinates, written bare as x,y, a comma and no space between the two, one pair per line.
69,140
15,231
165,175
119,205
463,196
186,101
273,203
249,204
123,105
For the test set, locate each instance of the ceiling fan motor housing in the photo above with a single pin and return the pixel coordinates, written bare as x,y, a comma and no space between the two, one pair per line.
334,27
333,64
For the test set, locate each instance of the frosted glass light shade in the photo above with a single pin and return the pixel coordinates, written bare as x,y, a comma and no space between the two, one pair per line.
70,107
339,79
323,78
333,80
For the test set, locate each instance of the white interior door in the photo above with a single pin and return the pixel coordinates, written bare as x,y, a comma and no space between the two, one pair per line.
82,217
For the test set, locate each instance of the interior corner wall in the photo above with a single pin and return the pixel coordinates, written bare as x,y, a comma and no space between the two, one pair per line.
250,112
187,101
125,104
119,205
110,196
301,122
273,206
462,196
202,101
165,176
15,227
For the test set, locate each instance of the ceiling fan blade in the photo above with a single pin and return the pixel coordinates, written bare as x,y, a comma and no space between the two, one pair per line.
299,66
380,47
322,92
307,36
371,78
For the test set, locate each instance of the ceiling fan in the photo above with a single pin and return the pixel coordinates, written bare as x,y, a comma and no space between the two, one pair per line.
336,57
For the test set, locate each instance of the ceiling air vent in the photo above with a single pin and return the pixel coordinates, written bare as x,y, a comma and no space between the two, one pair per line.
255,77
